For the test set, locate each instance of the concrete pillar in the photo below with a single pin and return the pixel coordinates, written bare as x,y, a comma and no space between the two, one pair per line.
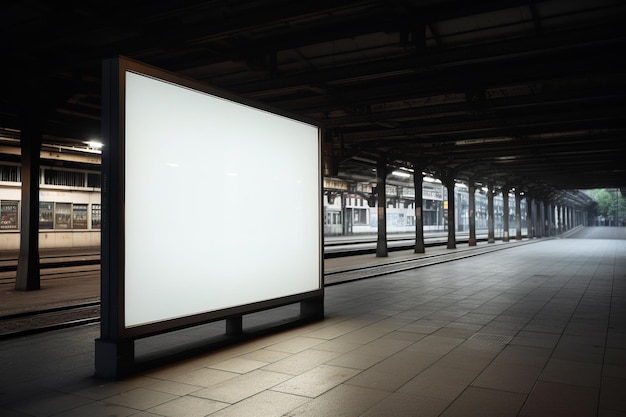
491,235
518,214
530,225
549,219
448,181
505,213
418,179
569,218
381,187
472,212
540,229
28,274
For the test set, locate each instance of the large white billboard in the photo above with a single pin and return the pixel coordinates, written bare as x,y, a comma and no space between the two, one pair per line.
221,203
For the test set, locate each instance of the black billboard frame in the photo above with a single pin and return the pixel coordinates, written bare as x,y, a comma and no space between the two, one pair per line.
114,349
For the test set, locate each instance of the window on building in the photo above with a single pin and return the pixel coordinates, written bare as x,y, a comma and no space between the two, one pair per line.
79,216
93,180
62,216
10,173
66,178
46,215
8,215
360,216
96,216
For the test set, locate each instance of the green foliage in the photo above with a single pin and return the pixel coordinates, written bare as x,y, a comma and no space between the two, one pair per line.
609,203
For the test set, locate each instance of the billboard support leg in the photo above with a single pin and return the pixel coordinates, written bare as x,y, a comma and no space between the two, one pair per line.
312,308
234,325
114,358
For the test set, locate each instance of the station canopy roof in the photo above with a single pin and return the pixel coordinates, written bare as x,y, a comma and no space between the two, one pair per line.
524,93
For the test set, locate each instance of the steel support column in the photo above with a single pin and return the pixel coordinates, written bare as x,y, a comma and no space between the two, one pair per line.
491,235
518,214
28,274
550,219
530,225
448,181
540,219
418,179
472,212
505,213
381,188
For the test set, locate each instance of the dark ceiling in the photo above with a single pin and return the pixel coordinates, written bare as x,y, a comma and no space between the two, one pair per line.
527,93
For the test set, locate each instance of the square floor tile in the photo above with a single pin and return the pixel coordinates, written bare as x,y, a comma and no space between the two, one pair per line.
141,398
535,339
172,387
266,404
613,394
239,365
204,377
46,403
188,406
379,380
383,347
523,356
243,386
265,355
485,402
342,401
93,409
407,405
439,382
551,399
585,374
296,344
316,381
302,361
355,361
510,378
435,344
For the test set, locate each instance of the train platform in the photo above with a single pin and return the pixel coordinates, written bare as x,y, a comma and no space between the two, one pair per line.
61,284
534,328
66,290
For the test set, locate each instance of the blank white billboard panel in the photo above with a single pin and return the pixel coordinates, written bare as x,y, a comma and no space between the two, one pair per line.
221,203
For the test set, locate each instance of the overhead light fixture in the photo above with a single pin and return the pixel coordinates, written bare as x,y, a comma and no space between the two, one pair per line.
483,140
94,144
402,174
432,179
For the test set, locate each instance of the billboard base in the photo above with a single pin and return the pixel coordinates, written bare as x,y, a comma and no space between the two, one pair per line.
116,359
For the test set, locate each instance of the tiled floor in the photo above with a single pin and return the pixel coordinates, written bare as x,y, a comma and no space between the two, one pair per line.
534,330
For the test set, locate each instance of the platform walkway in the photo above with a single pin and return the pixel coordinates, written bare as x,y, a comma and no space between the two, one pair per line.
75,290
534,330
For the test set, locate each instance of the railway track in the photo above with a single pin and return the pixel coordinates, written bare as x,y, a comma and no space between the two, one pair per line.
15,324
54,267
370,271
30,322
80,313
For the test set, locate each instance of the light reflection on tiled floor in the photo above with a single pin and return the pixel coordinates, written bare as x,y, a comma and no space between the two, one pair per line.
535,330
